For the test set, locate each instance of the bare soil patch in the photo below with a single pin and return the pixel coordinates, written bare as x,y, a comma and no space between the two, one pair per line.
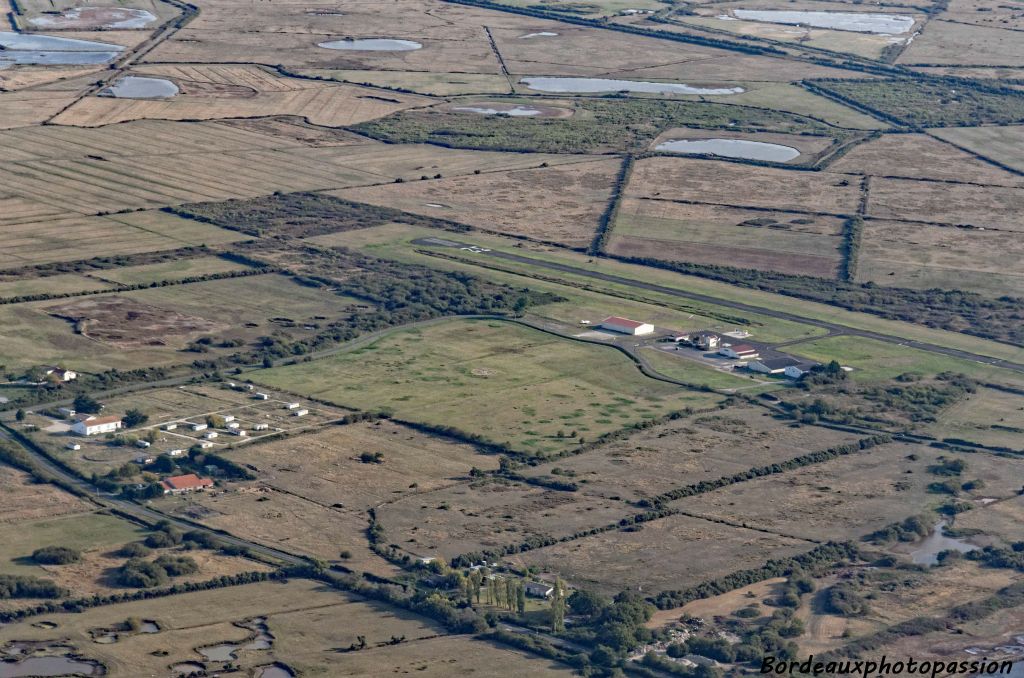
127,323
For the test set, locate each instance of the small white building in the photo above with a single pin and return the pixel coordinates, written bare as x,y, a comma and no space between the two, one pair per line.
73,447
67,412
260,396
794,372
142,461
707,341
205,445
300,413
538,590
199,427
228,418
261,427
210,435
175,453
772,365
291,406
239,432
61,373
170,427
626,326
142,443
739,351
88,425
233,425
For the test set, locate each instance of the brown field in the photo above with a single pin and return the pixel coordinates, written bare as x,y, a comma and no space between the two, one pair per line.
718,606
19,78
444,657
422,82
924,257
325,466
258,513
918,156
561,204
466,518
670,553
946,42
126,323
1003,144
712,181
170,270
712,234
212,92
848,497
301,615
22,499
54,284
688,451
1003,519
36,233
30,107
978,206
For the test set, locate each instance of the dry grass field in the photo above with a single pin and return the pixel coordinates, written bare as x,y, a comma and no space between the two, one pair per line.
1002,144
849,497
490,514
560,204
958,44
309,624
55,284
918,156
690,451
212,92
36,234
325,466
30,107
172,270
924,256
711,181
1003,519
988,416
710,234
22,500
279,519
421,82
665,554
504,382
979,206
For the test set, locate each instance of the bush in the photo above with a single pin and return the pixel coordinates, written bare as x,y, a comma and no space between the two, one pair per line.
176,566
843,599
134,549
141,574
56,555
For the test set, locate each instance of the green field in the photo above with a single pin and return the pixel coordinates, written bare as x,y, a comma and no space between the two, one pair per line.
499,380
171,270
83,532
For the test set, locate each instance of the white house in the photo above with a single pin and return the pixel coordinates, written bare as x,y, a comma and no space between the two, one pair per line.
300,413
739,351
794,372
170,427
707,341
88,425
73,446
210,435
233,425
205,445
228,418
772,365
261,427
261,396
626,326
60,373
538,590
175,453
199,427
291,406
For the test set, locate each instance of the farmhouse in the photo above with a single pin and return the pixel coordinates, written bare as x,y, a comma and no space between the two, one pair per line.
538,590
739,351
626,326
88,425
186,483
772,365
60,373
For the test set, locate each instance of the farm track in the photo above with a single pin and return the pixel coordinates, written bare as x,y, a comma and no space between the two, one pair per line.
831,327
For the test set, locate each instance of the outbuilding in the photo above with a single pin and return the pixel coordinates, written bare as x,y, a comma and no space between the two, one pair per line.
772,365
538,590
626,326
739,351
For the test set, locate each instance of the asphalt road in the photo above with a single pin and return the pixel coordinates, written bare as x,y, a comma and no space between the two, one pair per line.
831,328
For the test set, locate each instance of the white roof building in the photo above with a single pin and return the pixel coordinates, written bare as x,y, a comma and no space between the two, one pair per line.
88,425
626,326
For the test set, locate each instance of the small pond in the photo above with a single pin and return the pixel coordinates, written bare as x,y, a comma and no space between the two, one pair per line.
373,45
927,552
516,111
274,671
41,667
858,22
589,85
23,48
94,17
539,34
137,87
226,652
731,148
188,668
